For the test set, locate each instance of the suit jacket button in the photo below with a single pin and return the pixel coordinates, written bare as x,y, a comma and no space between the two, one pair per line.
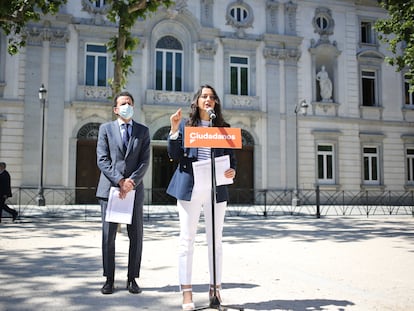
185,154
185,166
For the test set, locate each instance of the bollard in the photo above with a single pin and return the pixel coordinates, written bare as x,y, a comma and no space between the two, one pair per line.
318,210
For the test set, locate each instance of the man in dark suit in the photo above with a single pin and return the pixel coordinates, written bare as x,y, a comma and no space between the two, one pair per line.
5,192
123,152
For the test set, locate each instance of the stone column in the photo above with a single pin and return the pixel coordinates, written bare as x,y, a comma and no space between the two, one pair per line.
206,51
272,142
290,61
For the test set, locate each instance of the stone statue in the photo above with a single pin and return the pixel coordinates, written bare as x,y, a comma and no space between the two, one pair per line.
325,85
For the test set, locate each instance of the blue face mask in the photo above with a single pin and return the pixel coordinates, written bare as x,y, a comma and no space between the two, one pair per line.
126,111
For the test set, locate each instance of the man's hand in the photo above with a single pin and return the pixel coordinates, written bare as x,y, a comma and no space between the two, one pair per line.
125,186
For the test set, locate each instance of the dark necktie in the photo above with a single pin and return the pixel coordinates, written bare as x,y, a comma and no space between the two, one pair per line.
125,137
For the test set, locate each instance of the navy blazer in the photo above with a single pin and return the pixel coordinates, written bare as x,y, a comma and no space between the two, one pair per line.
115,163
182,182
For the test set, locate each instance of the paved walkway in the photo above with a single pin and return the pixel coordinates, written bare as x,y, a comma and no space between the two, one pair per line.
278,263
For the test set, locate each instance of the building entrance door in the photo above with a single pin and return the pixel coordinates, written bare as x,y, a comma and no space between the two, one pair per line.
87,172
242,190
162,171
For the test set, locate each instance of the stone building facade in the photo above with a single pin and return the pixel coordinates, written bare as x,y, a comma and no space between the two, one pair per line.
262,56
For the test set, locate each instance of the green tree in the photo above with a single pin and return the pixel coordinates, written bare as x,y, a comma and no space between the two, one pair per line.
125,13
15,14
398,31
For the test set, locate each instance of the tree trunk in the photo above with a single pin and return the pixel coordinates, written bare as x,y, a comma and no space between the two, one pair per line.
120,50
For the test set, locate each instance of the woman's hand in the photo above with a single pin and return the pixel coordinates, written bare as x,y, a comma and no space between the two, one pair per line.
230,173
175,120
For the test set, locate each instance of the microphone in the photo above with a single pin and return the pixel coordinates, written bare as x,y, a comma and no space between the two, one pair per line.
211,113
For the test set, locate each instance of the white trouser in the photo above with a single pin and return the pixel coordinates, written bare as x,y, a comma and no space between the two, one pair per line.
189,212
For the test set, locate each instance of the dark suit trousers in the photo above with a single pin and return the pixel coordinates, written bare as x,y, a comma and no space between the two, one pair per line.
135,233
4,206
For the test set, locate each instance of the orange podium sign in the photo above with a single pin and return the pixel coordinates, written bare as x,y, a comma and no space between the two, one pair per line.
212,137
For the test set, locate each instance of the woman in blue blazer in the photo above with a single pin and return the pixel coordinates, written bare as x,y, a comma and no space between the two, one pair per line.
205,111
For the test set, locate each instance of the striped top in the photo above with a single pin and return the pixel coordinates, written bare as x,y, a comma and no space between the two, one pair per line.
204,152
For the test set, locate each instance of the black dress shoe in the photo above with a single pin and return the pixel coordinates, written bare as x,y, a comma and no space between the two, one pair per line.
108,287
15,216
133,287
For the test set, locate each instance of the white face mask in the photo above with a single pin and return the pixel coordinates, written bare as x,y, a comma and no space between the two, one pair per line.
126,111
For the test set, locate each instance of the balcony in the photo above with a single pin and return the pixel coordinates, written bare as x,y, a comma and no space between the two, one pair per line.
168,98
171,98
238,102
93,93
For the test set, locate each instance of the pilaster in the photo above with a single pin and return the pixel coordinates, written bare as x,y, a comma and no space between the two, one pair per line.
273,138
45,64
206,51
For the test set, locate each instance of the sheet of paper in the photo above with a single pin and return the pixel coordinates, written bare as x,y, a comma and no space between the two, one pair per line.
120,210
202,171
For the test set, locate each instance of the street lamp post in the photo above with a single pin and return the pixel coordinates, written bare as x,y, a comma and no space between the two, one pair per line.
301,108
42,98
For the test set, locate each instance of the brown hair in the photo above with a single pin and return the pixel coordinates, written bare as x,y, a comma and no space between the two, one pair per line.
124,93
195,119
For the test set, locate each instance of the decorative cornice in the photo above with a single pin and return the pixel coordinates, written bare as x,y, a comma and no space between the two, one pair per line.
271,53
291,7
407,138
36,35
206,48
180,5
272,4
179,8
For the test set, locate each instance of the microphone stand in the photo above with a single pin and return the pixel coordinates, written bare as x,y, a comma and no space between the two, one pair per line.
214,300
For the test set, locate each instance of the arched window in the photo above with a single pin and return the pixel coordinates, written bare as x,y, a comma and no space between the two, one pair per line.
239,14
247,138
169,64
89,131
162,133
322,22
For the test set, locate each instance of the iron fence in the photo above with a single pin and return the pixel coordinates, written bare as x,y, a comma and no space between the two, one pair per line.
80,202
